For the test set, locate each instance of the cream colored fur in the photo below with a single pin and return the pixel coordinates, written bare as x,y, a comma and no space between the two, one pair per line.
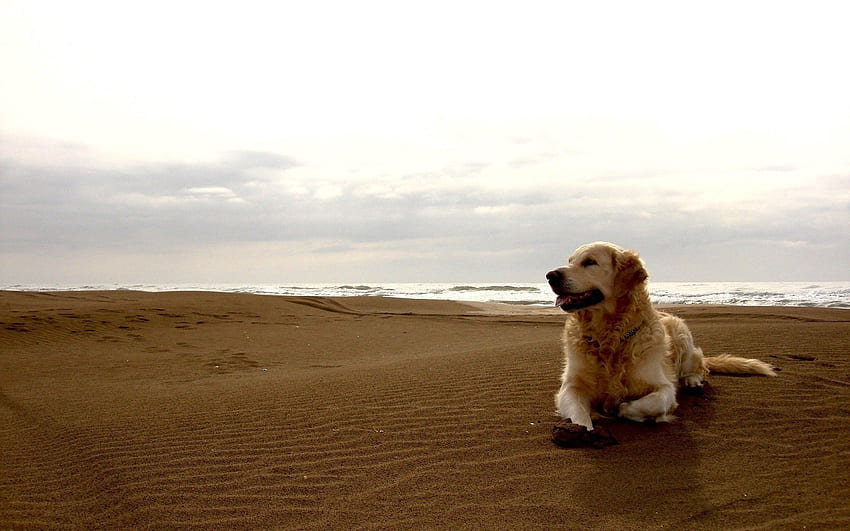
610,372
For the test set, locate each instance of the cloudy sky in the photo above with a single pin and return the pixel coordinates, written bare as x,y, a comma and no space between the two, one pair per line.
461,141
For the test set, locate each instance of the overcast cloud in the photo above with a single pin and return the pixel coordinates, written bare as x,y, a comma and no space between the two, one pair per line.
311,177
206,222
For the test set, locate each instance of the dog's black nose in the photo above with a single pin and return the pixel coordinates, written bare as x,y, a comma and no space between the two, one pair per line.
554,276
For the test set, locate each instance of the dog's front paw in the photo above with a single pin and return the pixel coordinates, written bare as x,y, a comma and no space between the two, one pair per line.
693,382
638,412
628,410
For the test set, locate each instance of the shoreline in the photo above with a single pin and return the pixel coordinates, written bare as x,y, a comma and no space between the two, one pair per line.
825,294
206,410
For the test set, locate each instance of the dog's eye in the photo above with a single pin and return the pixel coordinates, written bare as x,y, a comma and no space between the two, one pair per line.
589,262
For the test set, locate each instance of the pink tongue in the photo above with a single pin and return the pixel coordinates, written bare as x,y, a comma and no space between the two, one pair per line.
561,300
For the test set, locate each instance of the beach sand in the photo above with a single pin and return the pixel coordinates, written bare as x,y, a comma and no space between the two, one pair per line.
205,410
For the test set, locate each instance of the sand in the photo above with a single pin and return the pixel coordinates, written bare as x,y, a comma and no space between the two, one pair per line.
200,410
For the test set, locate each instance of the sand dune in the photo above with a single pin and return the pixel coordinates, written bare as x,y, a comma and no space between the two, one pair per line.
201,410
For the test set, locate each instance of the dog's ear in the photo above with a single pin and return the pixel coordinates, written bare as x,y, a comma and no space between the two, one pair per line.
630,272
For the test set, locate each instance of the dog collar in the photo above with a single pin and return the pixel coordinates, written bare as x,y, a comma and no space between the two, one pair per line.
628,335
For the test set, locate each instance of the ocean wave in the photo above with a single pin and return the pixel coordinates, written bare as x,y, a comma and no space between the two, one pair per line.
488,288
812,294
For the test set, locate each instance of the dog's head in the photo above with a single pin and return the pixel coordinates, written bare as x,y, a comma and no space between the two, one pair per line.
595,273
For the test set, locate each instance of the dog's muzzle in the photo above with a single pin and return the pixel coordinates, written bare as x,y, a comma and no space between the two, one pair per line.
567,301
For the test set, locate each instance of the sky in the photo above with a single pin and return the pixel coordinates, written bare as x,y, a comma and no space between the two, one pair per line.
408,141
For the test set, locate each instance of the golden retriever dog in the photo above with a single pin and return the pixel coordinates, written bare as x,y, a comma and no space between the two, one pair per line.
622,356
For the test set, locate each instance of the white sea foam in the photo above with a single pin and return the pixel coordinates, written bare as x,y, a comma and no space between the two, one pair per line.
820,294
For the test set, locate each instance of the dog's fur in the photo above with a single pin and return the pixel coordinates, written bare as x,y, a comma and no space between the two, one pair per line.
622,356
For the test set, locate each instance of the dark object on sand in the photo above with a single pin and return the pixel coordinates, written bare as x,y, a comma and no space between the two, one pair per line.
569,435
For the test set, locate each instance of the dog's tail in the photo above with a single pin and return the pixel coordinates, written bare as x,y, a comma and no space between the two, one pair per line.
733,365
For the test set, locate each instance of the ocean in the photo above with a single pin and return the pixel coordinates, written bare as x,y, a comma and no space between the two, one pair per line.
817,294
